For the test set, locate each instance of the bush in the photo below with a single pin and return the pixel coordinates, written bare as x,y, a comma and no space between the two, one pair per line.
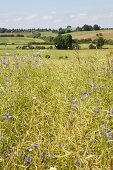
61,57
47,56
92,46
40,47
24,47
51,47
66,57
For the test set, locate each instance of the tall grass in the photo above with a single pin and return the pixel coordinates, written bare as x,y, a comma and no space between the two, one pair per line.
56,113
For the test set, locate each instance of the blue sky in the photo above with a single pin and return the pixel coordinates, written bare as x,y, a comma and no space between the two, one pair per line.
55,13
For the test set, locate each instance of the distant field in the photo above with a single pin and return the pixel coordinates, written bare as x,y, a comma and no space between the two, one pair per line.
107,34
17,40
47,34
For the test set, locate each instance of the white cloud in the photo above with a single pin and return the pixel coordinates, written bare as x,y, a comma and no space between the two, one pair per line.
47,17
57,21
92,18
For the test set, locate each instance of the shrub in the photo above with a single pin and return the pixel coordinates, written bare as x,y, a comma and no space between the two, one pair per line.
47,56
92,46
61,57
40,47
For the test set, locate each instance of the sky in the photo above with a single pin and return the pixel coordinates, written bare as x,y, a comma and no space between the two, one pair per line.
55,13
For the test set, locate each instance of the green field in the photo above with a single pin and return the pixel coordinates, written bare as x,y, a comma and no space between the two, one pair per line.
18,40
56,112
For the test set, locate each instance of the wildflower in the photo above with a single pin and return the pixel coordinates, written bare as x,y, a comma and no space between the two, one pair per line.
88,93
110,137
84,92
38,55
73,101
28,159
111,112
107,131
103,68
43,153
74,105
7,116
6,79
35,146
53,168
27,76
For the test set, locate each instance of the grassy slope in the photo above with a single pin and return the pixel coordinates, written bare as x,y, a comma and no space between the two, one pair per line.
108,34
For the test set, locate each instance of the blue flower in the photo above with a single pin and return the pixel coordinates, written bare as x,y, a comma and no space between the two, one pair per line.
7,116
110,137
43,153
88,93
107,131
73,101
35,146
28,159
6,79
84,92
103,68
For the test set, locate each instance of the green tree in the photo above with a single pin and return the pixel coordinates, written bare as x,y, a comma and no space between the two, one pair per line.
96,27
59,42
87,28
63,42
100,42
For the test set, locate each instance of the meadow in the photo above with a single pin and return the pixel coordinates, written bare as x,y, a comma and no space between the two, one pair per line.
56,112
56,106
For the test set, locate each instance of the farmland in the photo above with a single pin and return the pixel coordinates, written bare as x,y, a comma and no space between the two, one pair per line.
57,111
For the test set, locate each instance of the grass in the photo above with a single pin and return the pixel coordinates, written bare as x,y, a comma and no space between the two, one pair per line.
107,34
56,112
17,40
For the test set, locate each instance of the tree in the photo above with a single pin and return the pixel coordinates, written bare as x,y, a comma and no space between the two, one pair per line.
59,42
61,31
87,28
63,42
100,42
68,41
92,46
96,27
78,28
68,29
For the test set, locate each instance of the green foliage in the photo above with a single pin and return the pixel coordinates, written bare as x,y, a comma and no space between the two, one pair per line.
36,34
63,42
96,27
92,46
100,42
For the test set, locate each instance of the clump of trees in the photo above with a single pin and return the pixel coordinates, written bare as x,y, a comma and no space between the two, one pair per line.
88,28
63,42
68,29
97,43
